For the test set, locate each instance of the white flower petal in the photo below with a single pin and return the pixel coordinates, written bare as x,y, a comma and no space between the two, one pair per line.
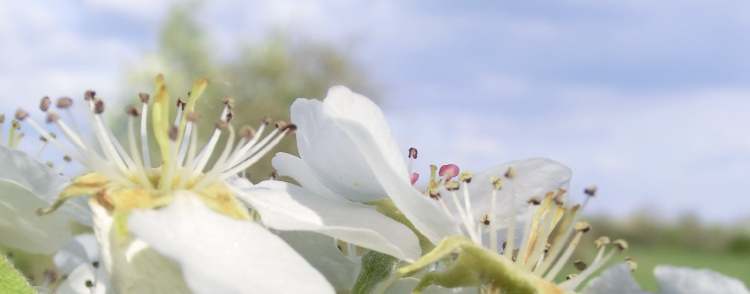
615,280
533,178
41,182
681,280
294,167
84,279
22,228
133,266
218,254
283,206
320,251
83,249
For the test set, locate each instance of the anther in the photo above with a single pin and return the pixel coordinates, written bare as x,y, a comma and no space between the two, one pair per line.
570,276
289,127
510,173
99,107
173,131
465,177
143,97
193,116
67,158
590,190
621,244
266,121
64,102
89,95
221,124
52,117
45,103
133,111
582,227
89,284
580,265
534,201
632,265
95,264
228,101
452,185
50,164
247,132
229,116
448,171
43,139
497,183
601,241
21,114
181,103
413,153
485,219
280,124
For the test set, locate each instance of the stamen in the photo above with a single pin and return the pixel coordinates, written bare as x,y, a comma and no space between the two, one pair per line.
497,184
144,130
448,171
580,228
45,103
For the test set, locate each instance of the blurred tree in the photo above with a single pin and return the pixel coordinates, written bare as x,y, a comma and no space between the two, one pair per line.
264,78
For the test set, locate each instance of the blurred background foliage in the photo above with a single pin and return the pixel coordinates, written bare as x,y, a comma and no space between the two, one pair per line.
263,79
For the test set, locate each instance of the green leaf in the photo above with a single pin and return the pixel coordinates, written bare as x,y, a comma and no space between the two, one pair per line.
376,268
11,281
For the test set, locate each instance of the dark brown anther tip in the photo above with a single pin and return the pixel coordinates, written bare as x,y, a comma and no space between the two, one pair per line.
413,153
144,97
173,132
99,107
45,103
89,95
64,102
21,114
133,111
52,117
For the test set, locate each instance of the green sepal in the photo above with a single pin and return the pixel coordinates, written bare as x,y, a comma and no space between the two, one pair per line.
470,265
12,281
376,268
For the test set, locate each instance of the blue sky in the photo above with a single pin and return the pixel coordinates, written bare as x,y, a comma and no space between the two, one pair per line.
647,99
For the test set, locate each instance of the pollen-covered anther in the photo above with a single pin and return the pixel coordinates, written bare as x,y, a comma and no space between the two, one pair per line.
621,244
465,177
45,103
590,190
133,111
497,183
89,95
413,153
582,227
21,114
448,171
143,97
52,117
602,241
580,265
452,185
64,102
99,107
632,265
510,173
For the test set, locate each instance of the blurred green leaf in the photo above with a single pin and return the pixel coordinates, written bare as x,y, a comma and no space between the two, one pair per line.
12,281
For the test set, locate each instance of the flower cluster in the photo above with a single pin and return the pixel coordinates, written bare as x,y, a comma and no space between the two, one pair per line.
183,218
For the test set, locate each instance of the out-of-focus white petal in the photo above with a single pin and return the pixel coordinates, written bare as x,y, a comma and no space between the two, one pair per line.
406,285
681,280
615,280
320,251
84,279
218,254
533,178
22,228
41,182
296,168
133,266
284,206
83,249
